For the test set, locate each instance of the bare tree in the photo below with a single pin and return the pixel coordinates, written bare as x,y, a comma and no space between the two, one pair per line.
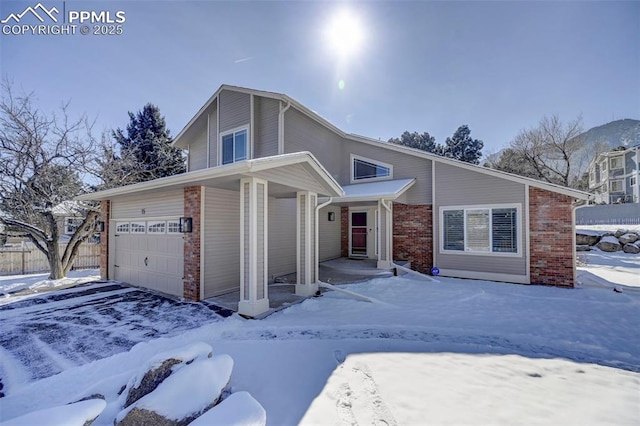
41,158
552,151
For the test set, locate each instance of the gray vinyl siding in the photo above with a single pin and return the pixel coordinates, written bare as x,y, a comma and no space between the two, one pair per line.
282,237
265,127
456,186
213,136
221,243
303,134
198,152
235,110
404,166
329,234
159,204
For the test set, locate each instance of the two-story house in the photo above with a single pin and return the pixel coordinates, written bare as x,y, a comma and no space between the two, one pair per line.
613,176
272,188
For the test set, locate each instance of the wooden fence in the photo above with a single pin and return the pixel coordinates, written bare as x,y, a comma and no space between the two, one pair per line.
20,260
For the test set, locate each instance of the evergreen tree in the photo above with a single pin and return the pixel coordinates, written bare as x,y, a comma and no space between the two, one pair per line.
461,146
424,141
145,151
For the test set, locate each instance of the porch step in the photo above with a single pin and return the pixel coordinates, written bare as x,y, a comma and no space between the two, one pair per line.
359,267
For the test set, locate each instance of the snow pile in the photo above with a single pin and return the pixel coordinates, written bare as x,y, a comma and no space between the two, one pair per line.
187,392
38,282
78,414
239,409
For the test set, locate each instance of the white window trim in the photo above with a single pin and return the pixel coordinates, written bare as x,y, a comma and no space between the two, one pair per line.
369,160
232,131
612,181
633,181
618,157
137,223
519,235
169,232
152,231
122,222
76,222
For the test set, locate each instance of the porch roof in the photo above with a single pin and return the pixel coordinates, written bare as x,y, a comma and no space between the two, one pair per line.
286,174
373,191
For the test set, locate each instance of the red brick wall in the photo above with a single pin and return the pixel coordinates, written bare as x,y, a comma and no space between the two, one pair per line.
551,238
105,215
191,279
413,235
344,231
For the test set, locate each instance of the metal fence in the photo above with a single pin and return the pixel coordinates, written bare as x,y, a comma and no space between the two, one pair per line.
27,259
609,214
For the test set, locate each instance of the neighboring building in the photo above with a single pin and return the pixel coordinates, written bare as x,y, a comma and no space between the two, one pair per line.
613,177
272,188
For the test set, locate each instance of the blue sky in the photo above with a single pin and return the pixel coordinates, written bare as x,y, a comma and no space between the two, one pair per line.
423,66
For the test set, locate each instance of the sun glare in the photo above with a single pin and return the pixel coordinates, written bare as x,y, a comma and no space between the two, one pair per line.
345,33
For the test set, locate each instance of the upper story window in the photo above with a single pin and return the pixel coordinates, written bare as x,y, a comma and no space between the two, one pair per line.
71,224
633,181
234,146
617,185
366,169
616,163
603,166
489,230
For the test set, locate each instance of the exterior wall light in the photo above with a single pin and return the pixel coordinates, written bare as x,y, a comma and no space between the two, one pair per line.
186,224
331,217
99,226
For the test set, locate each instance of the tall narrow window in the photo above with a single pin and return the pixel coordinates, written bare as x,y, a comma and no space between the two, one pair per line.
503,229
453,227
234,146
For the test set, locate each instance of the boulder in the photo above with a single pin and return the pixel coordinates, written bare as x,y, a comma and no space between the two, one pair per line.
628,238
586,239
160,367
183,396
620,232
609,244
631,248
584,247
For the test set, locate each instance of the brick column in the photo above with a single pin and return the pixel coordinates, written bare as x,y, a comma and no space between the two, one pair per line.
191,276
344,231
105,215
551,238
413,235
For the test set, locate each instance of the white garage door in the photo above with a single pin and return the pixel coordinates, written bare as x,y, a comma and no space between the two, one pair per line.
150,254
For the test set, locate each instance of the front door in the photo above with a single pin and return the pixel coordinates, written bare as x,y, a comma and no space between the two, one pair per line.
359,234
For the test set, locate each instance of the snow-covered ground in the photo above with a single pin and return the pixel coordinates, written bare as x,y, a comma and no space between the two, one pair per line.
40,282
447,352
598,268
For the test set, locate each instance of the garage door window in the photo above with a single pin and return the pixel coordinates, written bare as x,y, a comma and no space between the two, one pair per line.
138,228
122,227
156,227
173,227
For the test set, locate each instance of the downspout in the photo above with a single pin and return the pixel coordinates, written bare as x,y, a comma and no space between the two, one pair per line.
317,256
281,127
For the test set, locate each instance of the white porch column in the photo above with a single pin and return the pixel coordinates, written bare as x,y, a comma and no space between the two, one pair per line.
385,234
306,245
254,296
